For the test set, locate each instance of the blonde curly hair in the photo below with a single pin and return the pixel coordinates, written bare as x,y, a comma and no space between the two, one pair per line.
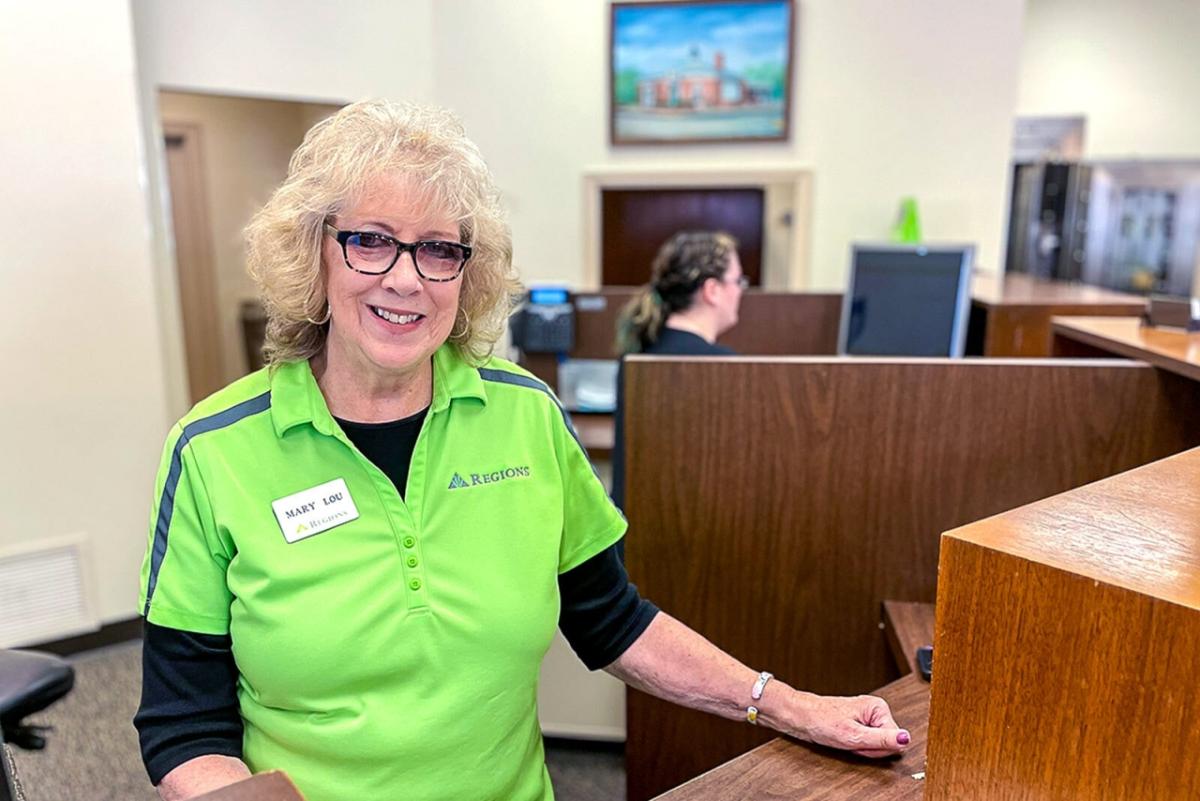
338,158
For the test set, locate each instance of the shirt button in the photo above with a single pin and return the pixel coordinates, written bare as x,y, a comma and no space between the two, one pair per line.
412,561
415,584
409,542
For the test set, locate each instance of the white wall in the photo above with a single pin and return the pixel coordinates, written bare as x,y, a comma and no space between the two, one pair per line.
892,99
908,98
295,49
1129,67
85,400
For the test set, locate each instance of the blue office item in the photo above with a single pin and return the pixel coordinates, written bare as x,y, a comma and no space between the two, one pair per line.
904,300
549,295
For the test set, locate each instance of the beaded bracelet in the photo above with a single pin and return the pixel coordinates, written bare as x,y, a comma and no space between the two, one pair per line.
755,694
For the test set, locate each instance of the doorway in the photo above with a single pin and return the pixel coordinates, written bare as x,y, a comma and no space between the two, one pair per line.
224,158
193,259
636,222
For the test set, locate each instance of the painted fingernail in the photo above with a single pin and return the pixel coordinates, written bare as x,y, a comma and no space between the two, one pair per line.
902,737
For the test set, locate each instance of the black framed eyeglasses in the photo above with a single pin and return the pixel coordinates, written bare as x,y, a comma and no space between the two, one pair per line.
373,253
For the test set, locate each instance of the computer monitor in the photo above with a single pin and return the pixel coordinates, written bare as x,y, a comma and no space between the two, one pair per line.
907,300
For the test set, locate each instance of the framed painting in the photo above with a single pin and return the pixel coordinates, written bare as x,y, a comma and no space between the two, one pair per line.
700,71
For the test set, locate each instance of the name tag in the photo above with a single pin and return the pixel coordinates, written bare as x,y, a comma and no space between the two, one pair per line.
315,510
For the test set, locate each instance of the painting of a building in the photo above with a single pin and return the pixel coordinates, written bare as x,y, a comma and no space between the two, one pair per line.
699,85
702,71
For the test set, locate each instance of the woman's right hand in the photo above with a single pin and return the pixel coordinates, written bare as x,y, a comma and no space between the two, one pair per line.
862,724
202,775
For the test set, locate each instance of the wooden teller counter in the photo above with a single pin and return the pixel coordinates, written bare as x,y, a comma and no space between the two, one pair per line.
1050,507
1067,639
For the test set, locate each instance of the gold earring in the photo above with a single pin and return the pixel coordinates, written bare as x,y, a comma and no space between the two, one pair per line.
466,324
323,320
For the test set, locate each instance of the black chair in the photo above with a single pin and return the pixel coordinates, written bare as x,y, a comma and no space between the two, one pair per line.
29,682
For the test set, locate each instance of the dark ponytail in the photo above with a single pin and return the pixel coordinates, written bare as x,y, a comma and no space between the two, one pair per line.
683,264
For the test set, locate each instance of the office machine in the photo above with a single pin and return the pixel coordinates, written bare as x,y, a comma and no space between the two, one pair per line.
588,385
907,300
545,322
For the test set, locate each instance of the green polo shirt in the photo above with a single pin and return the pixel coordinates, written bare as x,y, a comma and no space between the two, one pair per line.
387,648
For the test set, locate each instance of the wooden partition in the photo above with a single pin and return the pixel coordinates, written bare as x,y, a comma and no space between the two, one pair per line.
772,323
775,503
1068,639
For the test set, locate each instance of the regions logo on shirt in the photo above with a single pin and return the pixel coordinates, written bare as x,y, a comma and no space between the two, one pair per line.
475,479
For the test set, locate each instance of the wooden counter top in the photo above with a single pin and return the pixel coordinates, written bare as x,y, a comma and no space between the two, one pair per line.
271,786
1011,314
1171,349
787,769
596,433
1018,289
1139,530
908,625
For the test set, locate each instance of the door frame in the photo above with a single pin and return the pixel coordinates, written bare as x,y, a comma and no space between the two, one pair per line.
787,270
193,253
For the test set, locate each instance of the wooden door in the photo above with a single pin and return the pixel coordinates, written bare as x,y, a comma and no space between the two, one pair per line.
194,259
635,223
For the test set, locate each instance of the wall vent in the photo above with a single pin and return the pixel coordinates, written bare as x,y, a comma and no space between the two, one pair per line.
45,593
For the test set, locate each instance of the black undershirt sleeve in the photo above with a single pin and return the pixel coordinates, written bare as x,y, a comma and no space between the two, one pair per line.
602,613
189,704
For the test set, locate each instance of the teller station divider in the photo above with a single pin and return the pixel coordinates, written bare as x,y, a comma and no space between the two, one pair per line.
773,323
775,503
1010,317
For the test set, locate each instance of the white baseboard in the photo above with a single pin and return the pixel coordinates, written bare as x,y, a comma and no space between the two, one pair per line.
601,734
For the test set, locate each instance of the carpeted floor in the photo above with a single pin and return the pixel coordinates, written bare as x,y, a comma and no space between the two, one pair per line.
93,751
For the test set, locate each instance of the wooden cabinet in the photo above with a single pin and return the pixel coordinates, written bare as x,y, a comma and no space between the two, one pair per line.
1067,644
1010,315
777,508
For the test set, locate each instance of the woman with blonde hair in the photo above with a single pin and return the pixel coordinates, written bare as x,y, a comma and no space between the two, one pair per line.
359,554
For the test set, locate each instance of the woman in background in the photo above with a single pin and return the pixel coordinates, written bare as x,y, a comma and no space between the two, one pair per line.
696,285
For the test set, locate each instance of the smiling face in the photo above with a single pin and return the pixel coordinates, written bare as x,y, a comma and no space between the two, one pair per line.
385,327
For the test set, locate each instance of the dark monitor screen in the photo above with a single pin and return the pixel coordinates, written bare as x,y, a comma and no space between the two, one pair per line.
907,301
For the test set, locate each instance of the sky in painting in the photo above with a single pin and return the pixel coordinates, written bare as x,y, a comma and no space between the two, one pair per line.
658,38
